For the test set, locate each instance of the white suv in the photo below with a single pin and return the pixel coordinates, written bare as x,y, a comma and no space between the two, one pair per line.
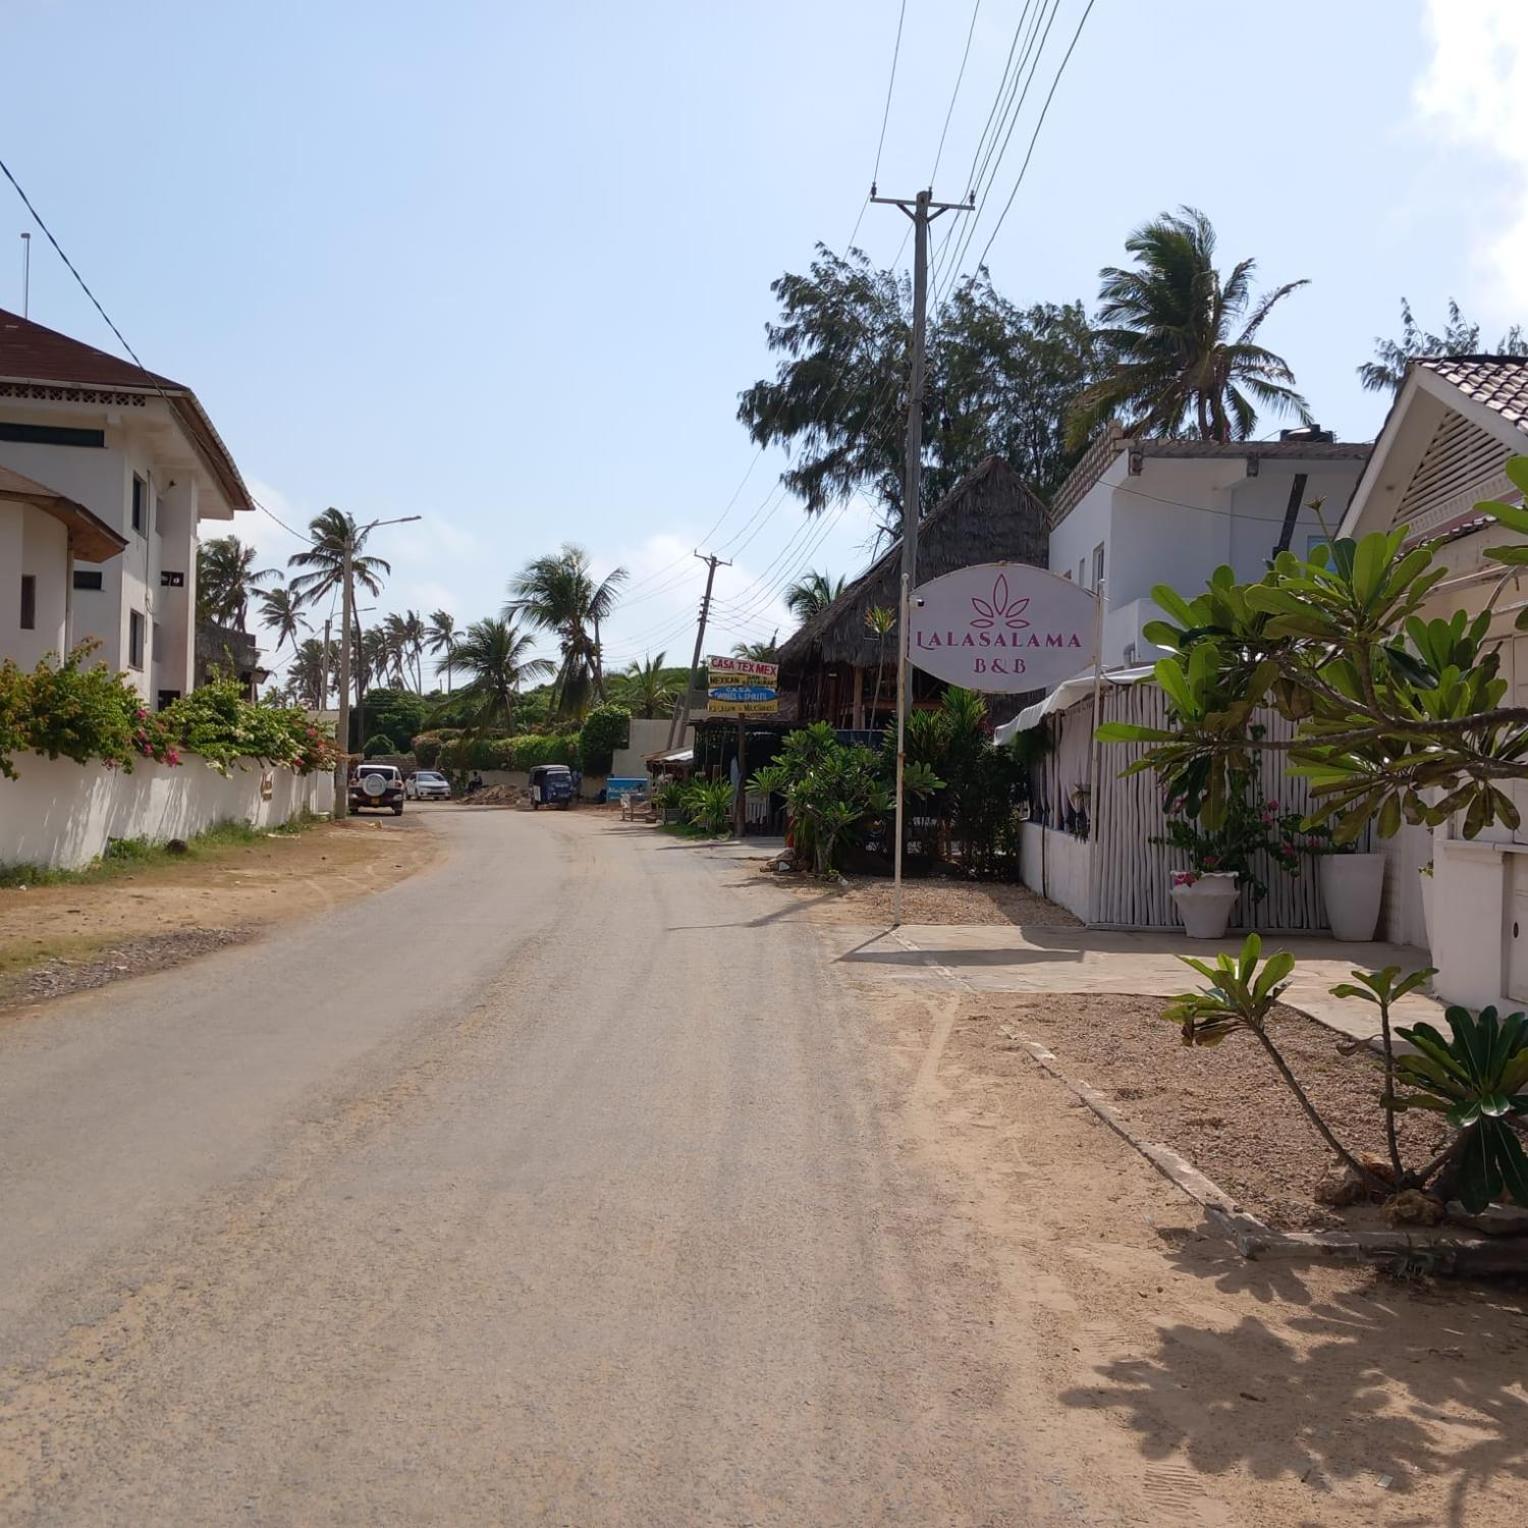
379,786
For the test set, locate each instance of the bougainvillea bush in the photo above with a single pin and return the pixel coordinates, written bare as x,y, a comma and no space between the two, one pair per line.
74,709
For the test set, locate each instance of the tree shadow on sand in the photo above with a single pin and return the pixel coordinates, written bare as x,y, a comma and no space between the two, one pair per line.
1388,1380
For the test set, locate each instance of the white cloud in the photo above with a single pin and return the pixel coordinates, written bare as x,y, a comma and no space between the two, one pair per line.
1476,90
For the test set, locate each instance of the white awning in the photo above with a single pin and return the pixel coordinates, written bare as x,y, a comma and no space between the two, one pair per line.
678,756
1067,693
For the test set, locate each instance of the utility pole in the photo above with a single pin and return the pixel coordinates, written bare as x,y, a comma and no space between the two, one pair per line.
922,210
323,699
342,727
682,715
26,274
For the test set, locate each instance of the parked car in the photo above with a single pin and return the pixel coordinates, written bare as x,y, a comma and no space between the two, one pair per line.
427,785
377,786
551,785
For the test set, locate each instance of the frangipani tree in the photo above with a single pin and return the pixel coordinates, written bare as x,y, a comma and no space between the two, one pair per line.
1397,717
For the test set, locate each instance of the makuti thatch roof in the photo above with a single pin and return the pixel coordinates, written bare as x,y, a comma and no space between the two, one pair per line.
990,515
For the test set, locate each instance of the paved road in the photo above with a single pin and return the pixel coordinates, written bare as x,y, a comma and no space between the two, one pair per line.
556,1183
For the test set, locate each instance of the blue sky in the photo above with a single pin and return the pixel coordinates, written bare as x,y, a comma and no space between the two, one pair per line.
506,266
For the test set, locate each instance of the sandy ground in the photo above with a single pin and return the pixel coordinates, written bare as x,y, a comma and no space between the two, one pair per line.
1274,1393
866,901
55,939
1223,1107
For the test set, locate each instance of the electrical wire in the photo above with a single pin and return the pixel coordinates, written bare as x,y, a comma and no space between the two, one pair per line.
875,174
955,93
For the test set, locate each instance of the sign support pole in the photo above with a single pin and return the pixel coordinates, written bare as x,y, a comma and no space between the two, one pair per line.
904,614
739,806
1095,792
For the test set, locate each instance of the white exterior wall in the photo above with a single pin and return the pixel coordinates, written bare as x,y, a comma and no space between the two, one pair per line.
63,815
32,544
648,735
179,493
1056,865
1180,519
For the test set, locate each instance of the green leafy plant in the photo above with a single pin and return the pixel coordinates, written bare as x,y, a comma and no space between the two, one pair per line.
1397,717
71,710
708,804
1478,1079
377,745
605,729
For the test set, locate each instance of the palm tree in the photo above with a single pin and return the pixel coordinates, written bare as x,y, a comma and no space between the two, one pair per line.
812,595
323,564
645,688
494,654
405,648
371,656
280,611
226,577
558,593
440,637
308,674
880,622
1182,340
760,652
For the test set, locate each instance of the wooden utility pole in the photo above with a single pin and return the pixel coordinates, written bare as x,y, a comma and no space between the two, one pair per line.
323,699
922,210
682,714
342,726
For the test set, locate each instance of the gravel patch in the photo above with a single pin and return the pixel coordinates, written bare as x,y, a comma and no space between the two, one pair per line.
1225,1108
128,957
863,900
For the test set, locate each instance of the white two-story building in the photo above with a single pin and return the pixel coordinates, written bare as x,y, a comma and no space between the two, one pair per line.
138,455
1136,513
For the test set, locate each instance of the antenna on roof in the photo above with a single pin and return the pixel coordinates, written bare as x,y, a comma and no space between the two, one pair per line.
26,273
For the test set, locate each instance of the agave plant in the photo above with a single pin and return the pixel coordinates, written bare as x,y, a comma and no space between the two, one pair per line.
708,804
1477,1079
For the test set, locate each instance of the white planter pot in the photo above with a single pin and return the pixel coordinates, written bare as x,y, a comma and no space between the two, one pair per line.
1351,885
1427,901
1205,907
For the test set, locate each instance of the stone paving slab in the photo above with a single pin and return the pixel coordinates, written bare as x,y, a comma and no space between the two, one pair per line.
1002,958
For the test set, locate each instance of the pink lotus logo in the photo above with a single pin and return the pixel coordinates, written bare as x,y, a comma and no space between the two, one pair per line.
999,610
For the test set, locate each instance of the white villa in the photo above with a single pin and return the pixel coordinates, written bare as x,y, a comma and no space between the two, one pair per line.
1137,513
108,470
1443,448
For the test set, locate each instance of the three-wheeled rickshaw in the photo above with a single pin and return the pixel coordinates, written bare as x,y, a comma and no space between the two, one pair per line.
551,785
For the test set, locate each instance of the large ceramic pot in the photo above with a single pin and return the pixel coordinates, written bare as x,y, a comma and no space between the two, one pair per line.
1351,885
1205,904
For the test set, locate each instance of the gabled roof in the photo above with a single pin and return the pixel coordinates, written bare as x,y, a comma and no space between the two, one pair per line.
1107,448
1454,424
32,355
962,528
90,537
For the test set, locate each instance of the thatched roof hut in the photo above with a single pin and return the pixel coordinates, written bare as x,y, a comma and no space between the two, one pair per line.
990,515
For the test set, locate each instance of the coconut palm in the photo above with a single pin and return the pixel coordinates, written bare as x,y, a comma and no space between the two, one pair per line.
760,652
558,593
405,648
281,612
372,657
1183,341
323,564
440,638
812,595
307,674
495,657
880,622
645,689
226,577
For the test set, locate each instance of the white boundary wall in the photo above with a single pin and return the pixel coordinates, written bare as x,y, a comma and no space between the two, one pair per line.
1056,864
62,815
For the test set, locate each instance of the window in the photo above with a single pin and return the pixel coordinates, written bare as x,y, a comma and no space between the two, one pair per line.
1098,567
166,698
84,579
140,505
135,640
50,435
29,602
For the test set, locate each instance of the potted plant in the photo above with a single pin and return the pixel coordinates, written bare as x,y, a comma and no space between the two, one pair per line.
1352,884
1204,899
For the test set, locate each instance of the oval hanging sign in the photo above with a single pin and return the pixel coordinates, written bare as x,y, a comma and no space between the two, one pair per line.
1003,626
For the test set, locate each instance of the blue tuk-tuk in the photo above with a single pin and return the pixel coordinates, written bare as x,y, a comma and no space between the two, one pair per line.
551,785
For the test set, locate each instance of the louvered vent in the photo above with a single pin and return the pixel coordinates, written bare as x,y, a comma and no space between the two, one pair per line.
1462,464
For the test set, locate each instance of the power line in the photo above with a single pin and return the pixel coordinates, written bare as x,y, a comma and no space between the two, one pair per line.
875,174
1066,58
954,94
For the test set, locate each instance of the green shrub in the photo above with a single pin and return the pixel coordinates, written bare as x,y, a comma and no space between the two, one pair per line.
708,804
605,729
70,711
535,748
378,745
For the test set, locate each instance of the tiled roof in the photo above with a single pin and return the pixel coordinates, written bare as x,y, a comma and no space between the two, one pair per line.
1499,382
32,353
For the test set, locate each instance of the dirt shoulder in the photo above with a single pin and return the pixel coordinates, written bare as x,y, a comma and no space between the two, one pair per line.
1186,1384
65,938
868,901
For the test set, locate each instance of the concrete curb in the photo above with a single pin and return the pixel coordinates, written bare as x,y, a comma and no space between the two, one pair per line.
1435,1251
